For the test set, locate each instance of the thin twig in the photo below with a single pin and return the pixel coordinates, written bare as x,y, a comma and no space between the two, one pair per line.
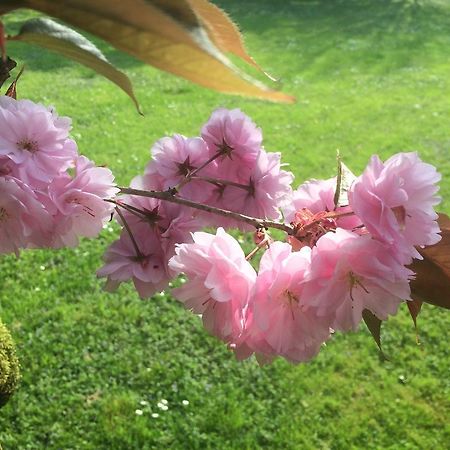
262,244
168,196
131,209
127,227
222,182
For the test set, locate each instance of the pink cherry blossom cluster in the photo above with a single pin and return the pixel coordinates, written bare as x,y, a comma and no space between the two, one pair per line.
49,195
347,250
226,167
349,240
340,261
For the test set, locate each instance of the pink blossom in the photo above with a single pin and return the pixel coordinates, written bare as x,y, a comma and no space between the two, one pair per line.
148,181
350,273
317,196
235,135
146,267
35,139
24,222
280,313
268,189
172,222
395,202
77,204
219,282
6,166
176,157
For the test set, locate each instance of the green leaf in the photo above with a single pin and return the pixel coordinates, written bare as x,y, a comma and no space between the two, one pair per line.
169,35
61,39
344,180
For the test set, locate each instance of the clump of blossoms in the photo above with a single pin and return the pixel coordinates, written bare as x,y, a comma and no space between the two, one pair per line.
191,183
347,247
49,194
348,240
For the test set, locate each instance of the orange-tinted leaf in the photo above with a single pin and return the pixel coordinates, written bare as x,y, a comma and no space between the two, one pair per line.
223,31
432,283
61,39
163,33
374,325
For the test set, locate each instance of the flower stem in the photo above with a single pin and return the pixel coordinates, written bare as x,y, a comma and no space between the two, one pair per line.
222,182
168,196
133,240
136,211
192,174
264,243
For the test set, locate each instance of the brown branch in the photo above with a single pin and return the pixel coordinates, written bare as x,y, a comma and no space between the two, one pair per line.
168,196
219,181
133,240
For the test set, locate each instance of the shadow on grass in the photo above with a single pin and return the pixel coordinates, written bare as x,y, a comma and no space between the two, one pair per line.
360,30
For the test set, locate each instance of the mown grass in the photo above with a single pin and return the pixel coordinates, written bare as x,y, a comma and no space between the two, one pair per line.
370,77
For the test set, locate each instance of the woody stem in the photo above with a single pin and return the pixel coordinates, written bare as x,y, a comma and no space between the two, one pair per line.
170,197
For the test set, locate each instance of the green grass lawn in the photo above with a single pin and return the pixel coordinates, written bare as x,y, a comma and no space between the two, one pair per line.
370,77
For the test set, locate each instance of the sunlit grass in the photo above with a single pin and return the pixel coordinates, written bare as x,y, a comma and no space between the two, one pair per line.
369,77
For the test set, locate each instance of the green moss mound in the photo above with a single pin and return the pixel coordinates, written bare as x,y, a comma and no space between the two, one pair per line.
9,366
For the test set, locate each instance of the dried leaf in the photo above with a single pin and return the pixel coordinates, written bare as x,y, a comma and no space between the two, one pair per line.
61,39
344,180
12,90
374,325
163,33
432,283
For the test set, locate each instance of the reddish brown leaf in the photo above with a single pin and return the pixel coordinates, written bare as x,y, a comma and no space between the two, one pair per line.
414,307
374,325
432,283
